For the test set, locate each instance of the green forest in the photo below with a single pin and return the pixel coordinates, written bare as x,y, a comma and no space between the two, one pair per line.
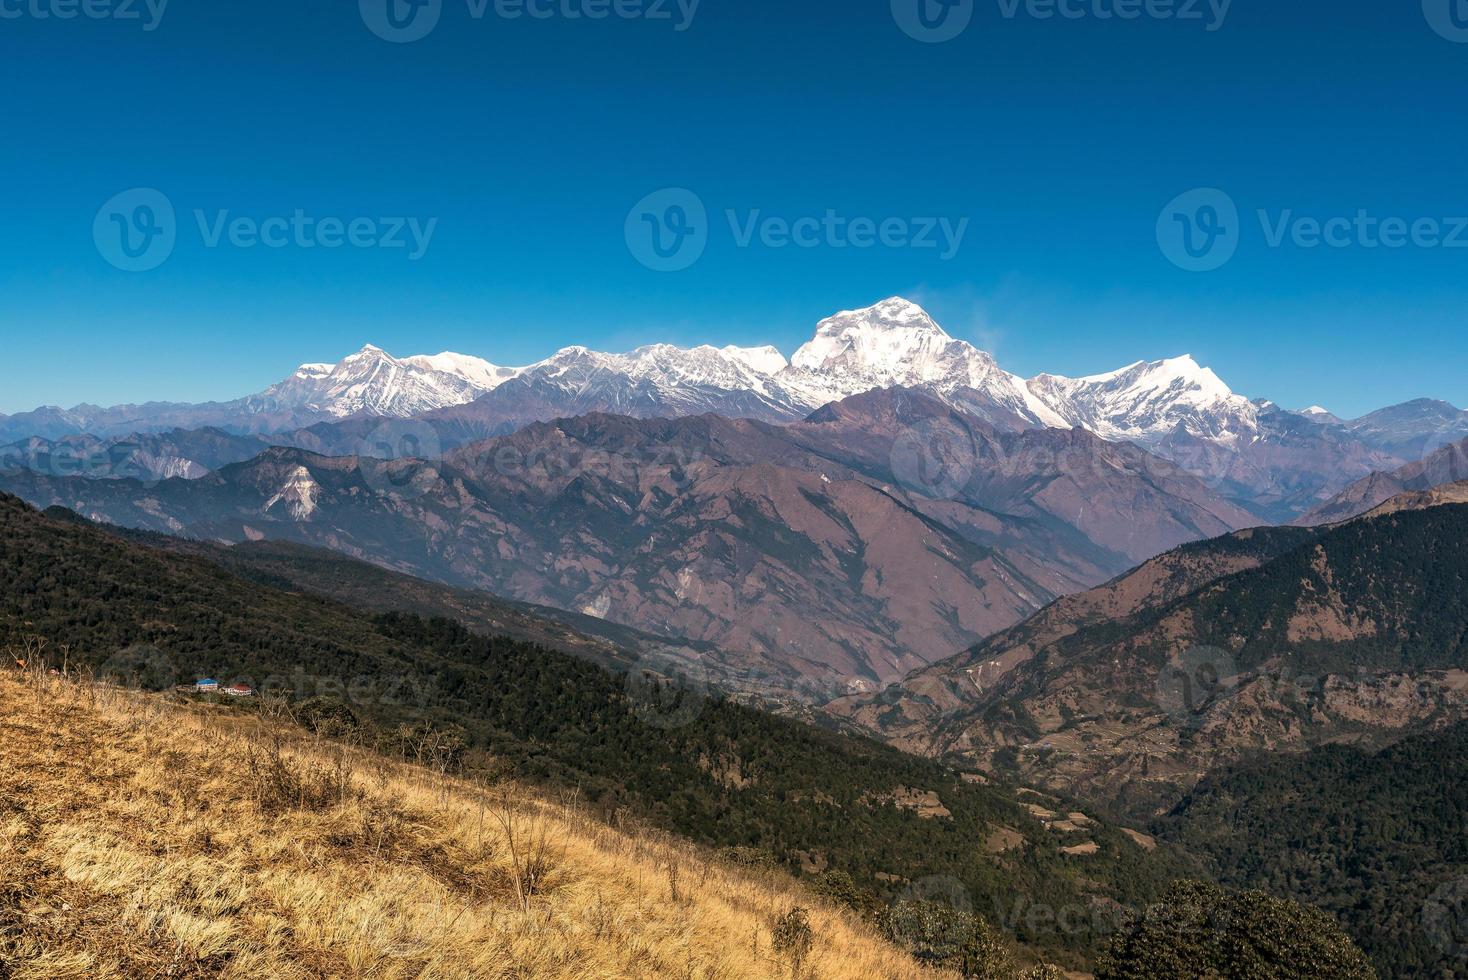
1379,841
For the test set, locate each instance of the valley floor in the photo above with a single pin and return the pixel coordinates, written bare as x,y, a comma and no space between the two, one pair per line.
146,837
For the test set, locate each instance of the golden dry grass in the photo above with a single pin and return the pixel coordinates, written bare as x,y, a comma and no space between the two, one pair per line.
137,840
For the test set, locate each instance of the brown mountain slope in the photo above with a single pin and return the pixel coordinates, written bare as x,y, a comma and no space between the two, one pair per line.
918,713
841,578
296,567
1448,465
1448,493
849,548
1355,632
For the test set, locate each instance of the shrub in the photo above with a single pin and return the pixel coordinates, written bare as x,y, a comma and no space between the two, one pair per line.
841,889
328,717
1200,929
278,784
793,937
940,935
749,857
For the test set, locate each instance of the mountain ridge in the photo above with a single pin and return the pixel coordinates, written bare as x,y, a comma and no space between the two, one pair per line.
1275,639
833,544
1275,463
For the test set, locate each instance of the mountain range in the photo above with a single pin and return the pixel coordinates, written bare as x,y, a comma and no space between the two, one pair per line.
885,497
1277,464
1447,465
823,545
1117,599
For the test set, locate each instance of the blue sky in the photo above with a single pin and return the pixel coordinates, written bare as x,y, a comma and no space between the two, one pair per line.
527,142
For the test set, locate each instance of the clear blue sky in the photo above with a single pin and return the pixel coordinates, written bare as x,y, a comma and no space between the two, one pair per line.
530,140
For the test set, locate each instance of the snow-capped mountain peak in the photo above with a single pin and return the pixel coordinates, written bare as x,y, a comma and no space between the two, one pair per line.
306,371
475,370
762,360
1149,399
896,343
373,382
888,339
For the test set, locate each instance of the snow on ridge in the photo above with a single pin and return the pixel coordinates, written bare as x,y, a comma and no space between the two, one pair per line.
893,343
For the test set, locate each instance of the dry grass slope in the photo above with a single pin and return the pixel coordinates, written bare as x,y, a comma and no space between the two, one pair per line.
143,838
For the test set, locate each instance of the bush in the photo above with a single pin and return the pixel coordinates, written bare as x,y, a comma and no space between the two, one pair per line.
278,783
940,935
793,937
841,889
752,858
328,717
1043,972
1200,929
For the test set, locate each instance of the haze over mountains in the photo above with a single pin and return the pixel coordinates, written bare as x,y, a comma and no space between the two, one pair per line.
818,543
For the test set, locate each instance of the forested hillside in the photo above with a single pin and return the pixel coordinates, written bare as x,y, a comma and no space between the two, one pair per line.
1358,633
1380,841
717,772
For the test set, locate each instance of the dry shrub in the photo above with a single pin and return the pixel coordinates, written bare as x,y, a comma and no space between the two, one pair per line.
279,784
793,938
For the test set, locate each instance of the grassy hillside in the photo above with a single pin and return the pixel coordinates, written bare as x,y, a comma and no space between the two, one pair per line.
140,838
716,772
1378,840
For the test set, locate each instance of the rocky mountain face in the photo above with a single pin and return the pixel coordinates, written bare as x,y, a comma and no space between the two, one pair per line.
1274,639
1447,465
884,533
1411,431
